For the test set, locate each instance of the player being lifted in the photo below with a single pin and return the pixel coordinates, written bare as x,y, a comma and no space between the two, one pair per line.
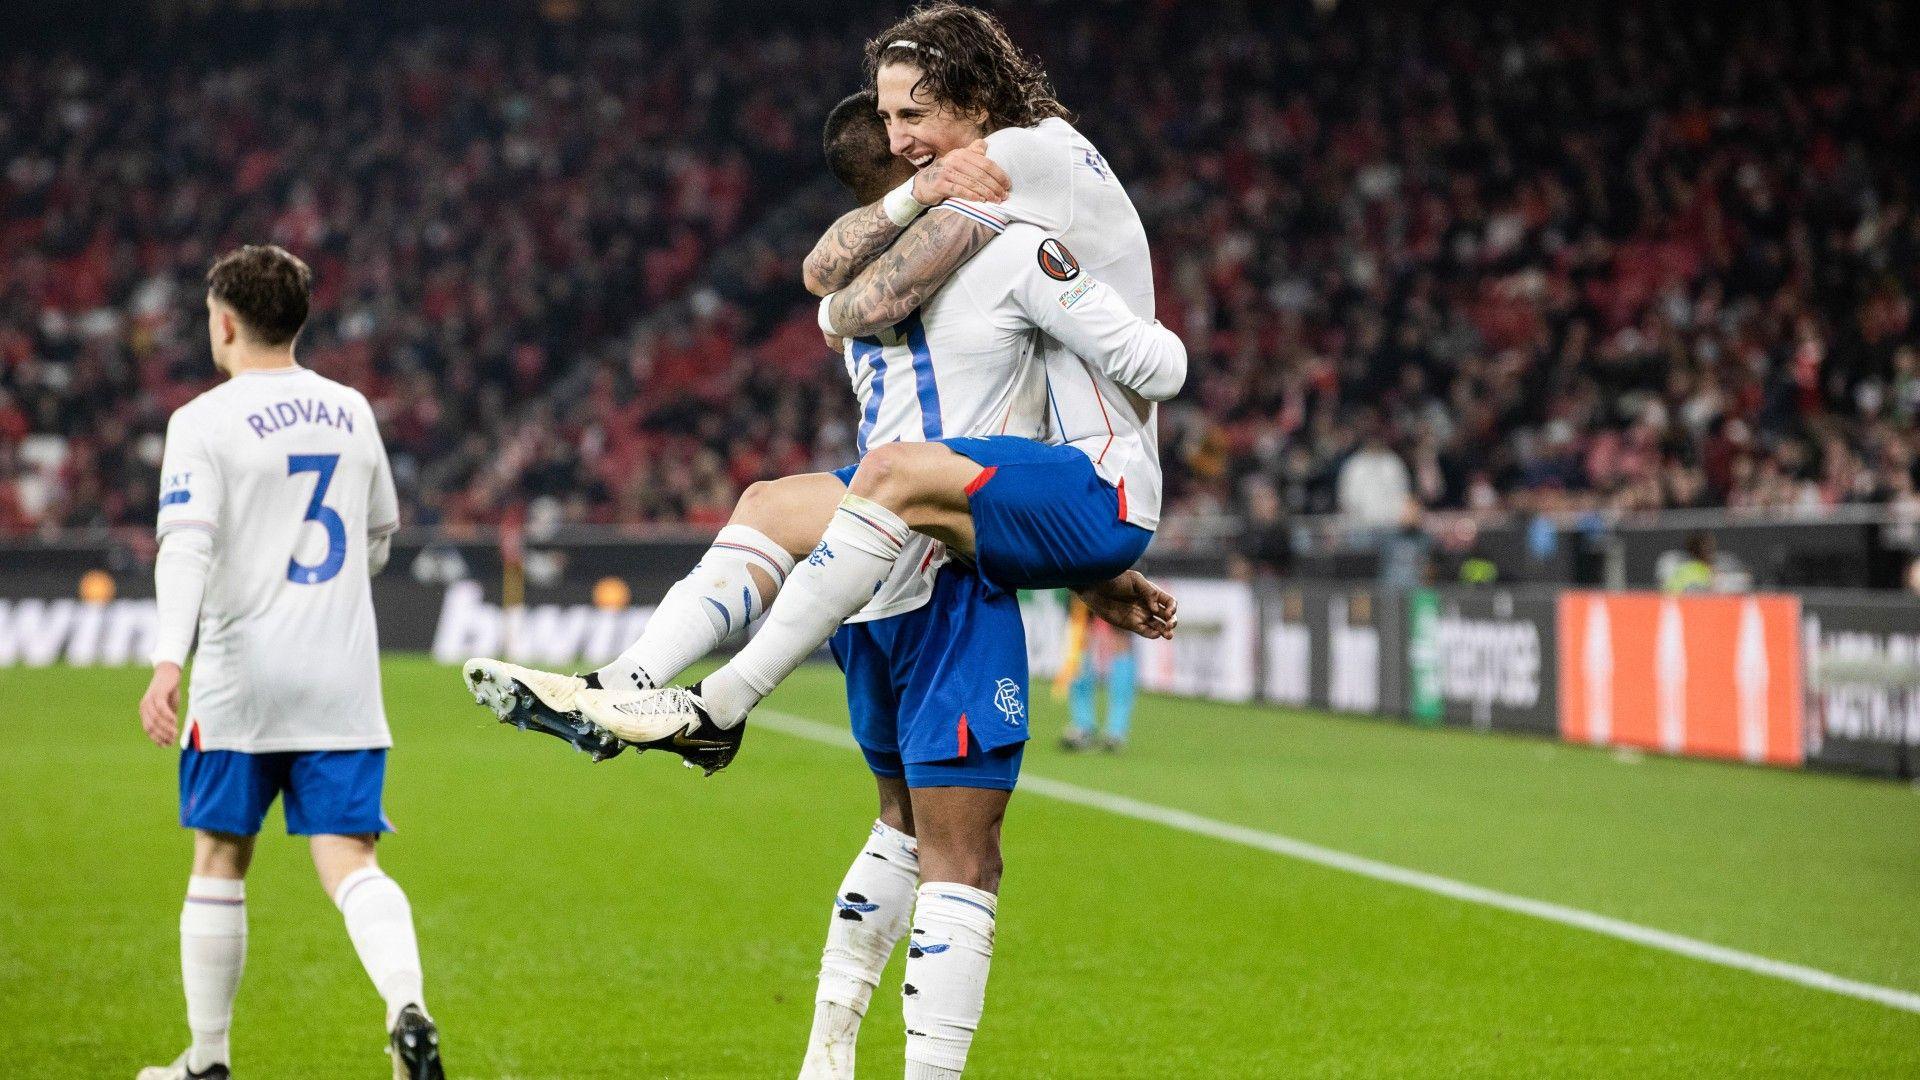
1023,538
276,506
1029,515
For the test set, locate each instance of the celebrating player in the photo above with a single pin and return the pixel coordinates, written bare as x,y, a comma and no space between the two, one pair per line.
1060,512
277,505
1030,515
982,360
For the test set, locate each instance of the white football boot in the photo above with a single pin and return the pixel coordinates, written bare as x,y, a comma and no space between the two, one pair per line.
535,700
179,1071
671,718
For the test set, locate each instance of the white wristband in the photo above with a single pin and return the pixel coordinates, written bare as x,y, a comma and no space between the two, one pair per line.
901,206
826,316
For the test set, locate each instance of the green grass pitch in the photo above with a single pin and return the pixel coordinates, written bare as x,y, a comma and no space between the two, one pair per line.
631,919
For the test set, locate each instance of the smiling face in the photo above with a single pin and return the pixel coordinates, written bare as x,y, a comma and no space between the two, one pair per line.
919,128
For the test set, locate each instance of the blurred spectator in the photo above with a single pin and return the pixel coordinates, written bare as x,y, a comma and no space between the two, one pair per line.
1265,545
1374,484
1693,571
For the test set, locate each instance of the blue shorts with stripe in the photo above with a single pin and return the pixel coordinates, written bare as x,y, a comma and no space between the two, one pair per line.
938,695
328,792
1042,516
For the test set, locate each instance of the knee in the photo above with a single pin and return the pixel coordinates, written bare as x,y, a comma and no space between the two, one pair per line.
981,872
897,816
785,511
221,855
759,503
977,865
886,476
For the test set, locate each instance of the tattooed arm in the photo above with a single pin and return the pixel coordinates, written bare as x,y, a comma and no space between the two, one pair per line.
861,235
853,242
902,278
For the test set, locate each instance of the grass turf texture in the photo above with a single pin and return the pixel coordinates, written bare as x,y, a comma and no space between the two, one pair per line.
630,919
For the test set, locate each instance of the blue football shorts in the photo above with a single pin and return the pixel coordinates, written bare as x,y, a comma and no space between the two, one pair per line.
334,792
938,695
1042,516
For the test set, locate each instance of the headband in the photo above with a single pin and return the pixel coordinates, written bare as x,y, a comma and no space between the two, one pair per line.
903,43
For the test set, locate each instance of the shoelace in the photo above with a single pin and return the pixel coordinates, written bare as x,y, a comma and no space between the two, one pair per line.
671,699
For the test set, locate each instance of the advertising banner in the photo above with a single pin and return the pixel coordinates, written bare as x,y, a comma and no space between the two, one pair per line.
1713,676
1486,655
1045,615
1329,646
92,605
1862,660
1424,701
1212,655
37,631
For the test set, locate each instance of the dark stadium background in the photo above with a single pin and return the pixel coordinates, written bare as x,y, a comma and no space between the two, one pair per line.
1565,259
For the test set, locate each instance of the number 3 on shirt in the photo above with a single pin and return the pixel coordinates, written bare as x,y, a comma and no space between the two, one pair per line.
298,572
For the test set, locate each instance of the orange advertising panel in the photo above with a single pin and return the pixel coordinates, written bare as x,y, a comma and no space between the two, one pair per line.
1712,676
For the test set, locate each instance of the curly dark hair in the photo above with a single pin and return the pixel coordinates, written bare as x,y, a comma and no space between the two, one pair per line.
968,63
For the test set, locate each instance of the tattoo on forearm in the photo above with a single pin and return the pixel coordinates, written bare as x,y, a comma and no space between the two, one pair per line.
902,278
849,246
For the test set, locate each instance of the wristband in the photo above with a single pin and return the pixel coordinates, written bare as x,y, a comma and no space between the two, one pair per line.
826,316
901,206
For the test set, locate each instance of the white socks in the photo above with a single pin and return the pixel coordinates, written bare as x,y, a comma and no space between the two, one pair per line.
213,952
870,916
703,611
853,560
380,922
946,982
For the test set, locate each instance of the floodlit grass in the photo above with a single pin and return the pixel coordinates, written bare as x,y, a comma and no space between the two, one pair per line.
631,919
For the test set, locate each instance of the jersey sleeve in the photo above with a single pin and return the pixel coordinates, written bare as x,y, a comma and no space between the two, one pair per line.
1040,177
1092,320
190,484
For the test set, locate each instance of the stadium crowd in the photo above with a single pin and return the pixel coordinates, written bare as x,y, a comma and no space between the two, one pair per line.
1578,256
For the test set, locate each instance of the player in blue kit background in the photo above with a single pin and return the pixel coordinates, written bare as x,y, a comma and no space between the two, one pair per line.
277,504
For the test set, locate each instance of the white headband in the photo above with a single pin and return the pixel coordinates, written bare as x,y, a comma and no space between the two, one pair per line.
903,43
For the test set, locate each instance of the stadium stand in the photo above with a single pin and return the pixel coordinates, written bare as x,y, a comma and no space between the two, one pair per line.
1551,260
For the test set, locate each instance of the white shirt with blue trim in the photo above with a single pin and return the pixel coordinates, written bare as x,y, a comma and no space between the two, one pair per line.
1062,185
983,357
285,470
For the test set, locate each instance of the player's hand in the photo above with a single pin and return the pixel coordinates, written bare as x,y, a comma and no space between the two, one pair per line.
835,343
160,705
1132,603
966,173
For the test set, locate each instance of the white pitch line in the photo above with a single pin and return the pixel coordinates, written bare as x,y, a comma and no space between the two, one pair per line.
1061,791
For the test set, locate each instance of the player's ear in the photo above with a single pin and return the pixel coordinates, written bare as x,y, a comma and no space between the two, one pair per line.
228,331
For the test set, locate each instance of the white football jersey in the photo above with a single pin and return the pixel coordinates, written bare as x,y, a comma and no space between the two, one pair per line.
982,357
1061,184
948,370
286,471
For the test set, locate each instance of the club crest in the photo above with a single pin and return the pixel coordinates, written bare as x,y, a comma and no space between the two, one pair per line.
1006,698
